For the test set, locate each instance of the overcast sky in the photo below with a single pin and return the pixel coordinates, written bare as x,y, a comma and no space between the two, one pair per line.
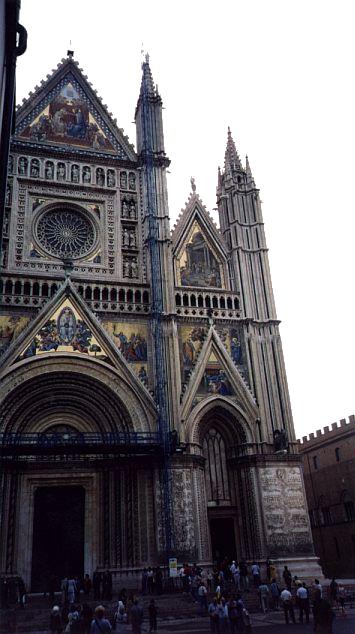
280,73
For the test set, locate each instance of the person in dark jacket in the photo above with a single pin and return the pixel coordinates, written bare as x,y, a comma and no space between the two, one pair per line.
323,615
153,611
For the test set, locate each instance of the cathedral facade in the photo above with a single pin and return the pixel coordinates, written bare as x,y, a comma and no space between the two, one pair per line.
145,412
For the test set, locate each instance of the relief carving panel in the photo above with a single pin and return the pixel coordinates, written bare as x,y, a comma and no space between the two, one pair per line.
285,511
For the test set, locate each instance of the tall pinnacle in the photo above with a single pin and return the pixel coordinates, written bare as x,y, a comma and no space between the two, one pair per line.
231,158
147,85
248,172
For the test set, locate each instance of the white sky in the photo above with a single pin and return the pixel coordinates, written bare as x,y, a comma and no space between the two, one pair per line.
281,74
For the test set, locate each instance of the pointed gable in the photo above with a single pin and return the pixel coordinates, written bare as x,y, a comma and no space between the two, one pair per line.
215,374
66,111
66,325
199,252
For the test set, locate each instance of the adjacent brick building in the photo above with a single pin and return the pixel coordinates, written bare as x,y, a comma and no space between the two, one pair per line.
329,474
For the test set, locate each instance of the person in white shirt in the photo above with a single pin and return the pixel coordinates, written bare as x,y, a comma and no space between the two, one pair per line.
286,601
303,602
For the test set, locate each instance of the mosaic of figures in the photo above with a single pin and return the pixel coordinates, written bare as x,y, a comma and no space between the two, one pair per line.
65,331
192,341
67,119
198,265
131,340
214,380
10,328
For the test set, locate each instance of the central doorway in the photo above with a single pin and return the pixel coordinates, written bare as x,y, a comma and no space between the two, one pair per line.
222,539
58,534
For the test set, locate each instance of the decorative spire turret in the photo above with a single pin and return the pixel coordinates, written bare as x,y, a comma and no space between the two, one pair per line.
231,158
250,178
147,85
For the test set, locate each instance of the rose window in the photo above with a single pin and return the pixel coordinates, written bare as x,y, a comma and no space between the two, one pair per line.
65,233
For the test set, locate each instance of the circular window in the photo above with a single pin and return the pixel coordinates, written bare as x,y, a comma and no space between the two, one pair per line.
65,233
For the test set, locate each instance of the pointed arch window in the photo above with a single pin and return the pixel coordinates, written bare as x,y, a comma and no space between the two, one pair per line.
216,474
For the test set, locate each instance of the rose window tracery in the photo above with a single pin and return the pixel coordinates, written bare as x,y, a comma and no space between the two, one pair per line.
65,233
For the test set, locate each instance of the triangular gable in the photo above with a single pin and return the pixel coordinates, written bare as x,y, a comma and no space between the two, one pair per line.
216,374
65,111
66,325
199,252
195,210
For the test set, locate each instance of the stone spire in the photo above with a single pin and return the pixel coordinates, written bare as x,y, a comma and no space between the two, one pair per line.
147,79
248,172
231,158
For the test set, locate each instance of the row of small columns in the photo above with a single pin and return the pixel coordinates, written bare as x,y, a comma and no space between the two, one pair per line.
204,300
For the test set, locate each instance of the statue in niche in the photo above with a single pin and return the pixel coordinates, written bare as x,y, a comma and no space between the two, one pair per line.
134,268
280,440
8,198
132,210
111,178
61,171
125,209
75,173
11,165
35,168
86,174
132,238
132,180
5,229
4,257
49,170
100,177
22,165
123,180
125,237
126,268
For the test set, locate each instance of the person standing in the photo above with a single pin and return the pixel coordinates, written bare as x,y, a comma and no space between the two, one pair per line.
333,591
323,615
202,597
244,581
96,582
286,600
150,580
255,571
303,602
71,590
287,578
153,612
264,596
275,594
144,581
213,612
136,617
87,585
107,586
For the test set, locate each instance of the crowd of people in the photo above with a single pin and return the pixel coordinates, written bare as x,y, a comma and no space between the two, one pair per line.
220,593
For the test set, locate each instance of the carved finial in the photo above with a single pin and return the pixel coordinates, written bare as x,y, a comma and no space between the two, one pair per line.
193,184
70,54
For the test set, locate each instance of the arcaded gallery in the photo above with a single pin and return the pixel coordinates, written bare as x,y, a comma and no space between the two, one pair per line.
144,403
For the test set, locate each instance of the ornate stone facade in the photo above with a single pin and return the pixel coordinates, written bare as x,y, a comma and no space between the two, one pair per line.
80,373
